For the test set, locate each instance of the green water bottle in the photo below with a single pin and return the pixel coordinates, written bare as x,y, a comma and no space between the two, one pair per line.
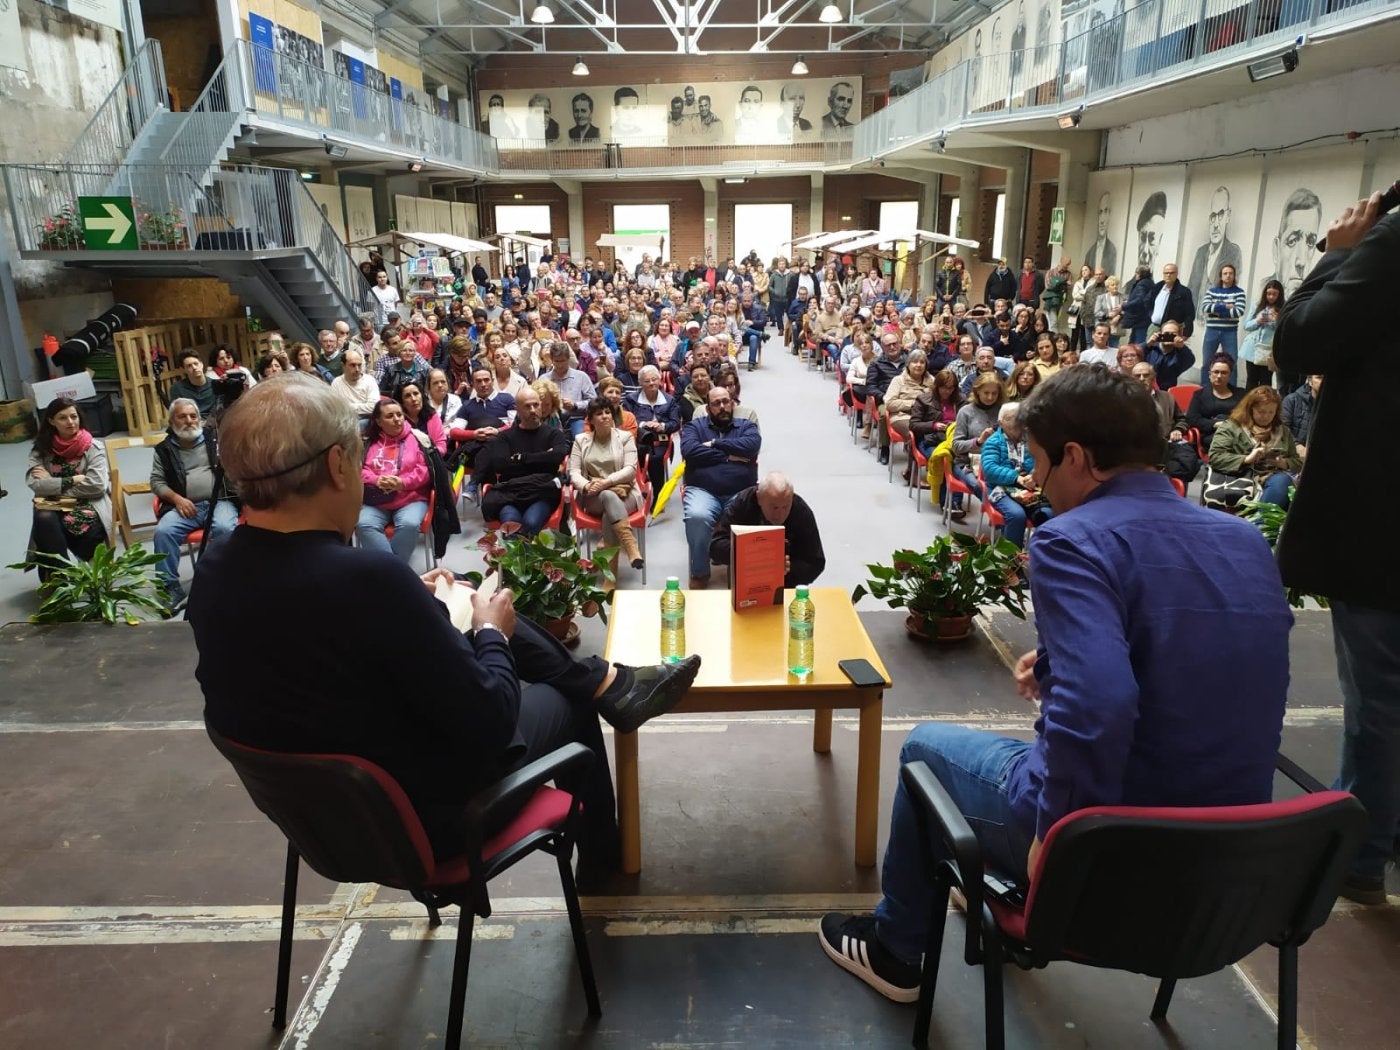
672,622
802,622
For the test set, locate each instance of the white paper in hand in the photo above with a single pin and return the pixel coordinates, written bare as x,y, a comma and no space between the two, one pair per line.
458,599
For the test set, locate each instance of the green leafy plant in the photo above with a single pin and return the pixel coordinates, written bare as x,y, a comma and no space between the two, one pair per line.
107,589
548,574
1269,519
166,226
63,229
254,324
954,576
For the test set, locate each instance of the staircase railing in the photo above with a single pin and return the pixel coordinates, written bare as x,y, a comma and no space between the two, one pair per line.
136,97
213,115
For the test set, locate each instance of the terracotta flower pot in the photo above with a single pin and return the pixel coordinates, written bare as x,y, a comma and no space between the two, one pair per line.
564,629
944,629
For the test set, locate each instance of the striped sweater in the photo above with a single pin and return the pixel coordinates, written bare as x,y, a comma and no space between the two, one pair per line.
1223,307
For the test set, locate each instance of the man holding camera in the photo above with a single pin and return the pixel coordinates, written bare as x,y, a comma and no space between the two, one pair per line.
186,478
1169,355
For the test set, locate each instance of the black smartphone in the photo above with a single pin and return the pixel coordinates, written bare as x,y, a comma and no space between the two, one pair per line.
861,672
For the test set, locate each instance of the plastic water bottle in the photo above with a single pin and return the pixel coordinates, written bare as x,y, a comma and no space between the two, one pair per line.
802,622
672,622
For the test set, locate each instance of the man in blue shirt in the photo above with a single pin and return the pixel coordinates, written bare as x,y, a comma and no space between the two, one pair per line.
721,461
1127,578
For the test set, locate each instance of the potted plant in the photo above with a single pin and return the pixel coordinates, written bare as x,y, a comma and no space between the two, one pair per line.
63,230
108,588
550,579
1269,519
945,585
161,230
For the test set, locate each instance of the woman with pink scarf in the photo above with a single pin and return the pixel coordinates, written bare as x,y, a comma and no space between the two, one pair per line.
68,475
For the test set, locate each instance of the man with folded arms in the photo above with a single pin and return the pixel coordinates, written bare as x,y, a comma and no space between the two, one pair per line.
721,460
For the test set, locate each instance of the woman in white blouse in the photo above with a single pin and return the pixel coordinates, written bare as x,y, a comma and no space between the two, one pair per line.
603,470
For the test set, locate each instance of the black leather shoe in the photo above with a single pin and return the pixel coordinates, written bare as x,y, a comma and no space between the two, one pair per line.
654,691
884,456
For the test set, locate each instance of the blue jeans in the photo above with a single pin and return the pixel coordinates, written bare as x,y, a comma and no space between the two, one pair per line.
172,531
575,426
1368,668
407,520
1015,515
1275,489
1139,334
754,338
973,766
702,510
1226,341
531,519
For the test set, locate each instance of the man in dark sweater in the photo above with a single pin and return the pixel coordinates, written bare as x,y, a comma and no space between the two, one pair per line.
441,711
721,457
773,502
522,467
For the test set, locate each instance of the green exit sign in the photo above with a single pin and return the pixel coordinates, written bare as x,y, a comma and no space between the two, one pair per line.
109,224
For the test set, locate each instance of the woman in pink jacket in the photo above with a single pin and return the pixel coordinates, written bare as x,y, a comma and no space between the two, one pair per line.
397,482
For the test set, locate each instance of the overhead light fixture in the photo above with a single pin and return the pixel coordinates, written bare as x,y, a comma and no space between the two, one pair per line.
415,166
735,182
542,15
1069,121
831,14
1273,66
580,67
307,176
845,218
335,149
799,68
941,143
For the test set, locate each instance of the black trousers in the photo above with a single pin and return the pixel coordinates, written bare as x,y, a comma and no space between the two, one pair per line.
49,537
557,708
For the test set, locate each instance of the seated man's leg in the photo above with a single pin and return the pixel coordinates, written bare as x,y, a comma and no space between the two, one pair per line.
1015,515
370,529
973,766
535,516
510,515
702,510
170,535
225,521
1275,489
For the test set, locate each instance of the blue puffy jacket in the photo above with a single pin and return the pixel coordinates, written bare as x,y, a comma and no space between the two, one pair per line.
997,467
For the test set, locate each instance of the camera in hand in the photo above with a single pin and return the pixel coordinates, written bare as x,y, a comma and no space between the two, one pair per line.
229,388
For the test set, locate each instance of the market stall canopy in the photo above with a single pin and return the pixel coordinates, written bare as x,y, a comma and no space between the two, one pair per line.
397,240
821,240
909,236
523,238
630,240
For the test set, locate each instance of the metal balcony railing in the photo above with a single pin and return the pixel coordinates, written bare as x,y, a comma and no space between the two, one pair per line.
137,96
645,154
243,207
1149,41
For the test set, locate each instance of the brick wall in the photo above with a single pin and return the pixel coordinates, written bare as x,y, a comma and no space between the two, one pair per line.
859,196
795,190
685,196
530,193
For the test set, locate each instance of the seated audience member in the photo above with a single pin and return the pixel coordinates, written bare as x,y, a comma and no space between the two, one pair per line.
634,359
755,320
729,379
1173,420
1169,355
575,388
303,357
504,378
934,348
1047,357
480,418
420,415
1099,351
1024,377
357,390
1128,355
611,390
194,384
367,342
224,366
458,363
773,502
272,363
663,344
1254,443
1298,410
878,377
551,414
898,401
977,422
402,363
66,463
697,390
406,715
1138,738
856,374
1212,404
603,470
934,411
964,364
443,402
183,472
986,362
522,466
397,481
330,349
721,460
1008,467
658,417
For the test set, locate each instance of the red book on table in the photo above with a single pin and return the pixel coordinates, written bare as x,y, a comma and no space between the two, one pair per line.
757,565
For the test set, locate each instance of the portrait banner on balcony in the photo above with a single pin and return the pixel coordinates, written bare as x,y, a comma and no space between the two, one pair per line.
377,102
1106,223
1222,200
260,32
755,113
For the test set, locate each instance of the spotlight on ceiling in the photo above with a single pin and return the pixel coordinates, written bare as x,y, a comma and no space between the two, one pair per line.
1273,66
580,67
335,149
831,14
799,68
1069,121
941,143
415,166
542,15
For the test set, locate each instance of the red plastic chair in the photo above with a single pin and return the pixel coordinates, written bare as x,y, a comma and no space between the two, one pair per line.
896,439
352,822
586,524
994,518
1179,486
1167,892
1181,394
425,530
954,484
192,541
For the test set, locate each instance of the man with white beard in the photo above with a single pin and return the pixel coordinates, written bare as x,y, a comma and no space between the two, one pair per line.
183,475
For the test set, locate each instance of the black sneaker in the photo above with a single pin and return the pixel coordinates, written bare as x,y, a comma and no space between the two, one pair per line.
1364,889
642,693
851,943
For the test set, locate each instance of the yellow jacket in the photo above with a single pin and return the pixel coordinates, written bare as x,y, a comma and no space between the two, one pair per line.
941,452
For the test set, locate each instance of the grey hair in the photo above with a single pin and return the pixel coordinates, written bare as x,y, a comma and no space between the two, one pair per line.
775,481
274,438
916,355
1009,412
352,350
325,331
645,369
365,318
183,401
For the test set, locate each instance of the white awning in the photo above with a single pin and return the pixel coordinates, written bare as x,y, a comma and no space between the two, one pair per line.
523,238
448,242
821,240
630,240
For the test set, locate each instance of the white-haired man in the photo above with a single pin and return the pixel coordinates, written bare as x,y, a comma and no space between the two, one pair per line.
446,721
185,478
773,502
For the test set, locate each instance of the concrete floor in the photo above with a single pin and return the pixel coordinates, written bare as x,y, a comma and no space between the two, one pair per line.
139,887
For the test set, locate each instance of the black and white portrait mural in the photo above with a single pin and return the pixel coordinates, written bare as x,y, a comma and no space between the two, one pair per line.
1106,222
1220,208
1154,211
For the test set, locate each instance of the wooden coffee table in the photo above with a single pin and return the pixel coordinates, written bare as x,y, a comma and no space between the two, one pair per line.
744,668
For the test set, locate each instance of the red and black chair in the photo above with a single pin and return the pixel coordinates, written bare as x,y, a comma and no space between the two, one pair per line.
1170,893
351,822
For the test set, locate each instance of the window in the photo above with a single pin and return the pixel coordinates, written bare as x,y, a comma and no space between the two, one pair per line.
762,228
650,224
523,218
999,228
